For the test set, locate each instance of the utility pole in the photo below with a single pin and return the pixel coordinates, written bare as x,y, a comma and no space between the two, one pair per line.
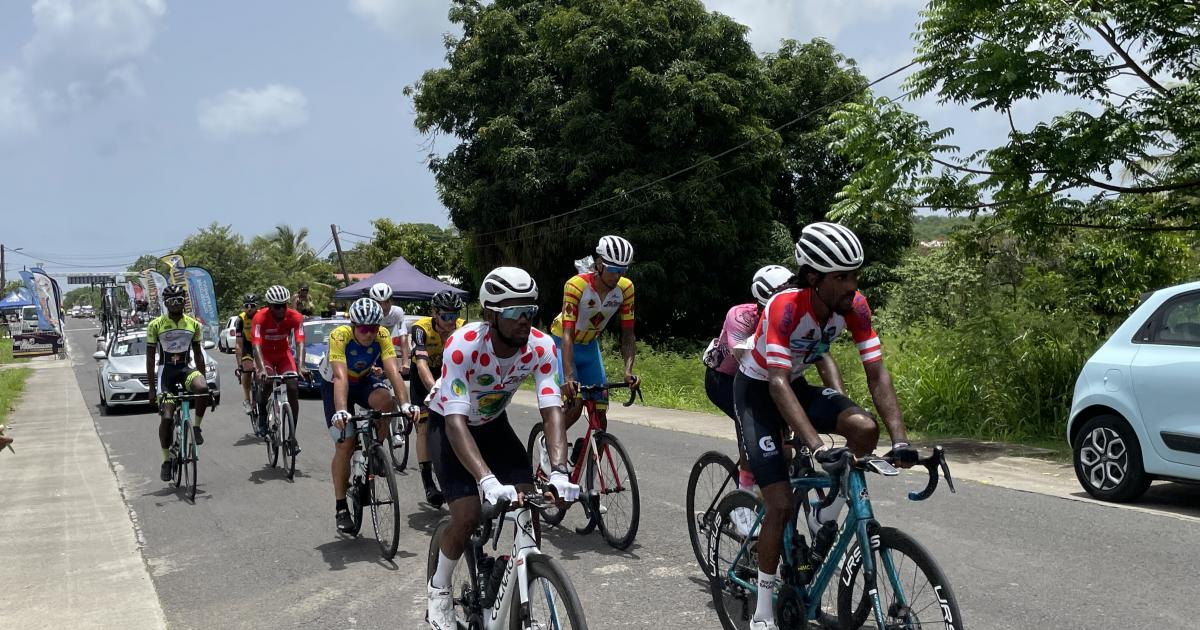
337,244
3,278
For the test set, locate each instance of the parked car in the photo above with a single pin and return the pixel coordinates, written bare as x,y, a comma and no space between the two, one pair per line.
1135,416
122,378
316,346
227,340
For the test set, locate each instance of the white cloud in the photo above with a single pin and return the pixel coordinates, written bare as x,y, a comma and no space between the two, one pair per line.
272,110
773,20
412,17
84,51
16,112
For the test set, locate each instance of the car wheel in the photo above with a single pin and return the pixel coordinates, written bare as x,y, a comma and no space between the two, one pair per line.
1108,460
104,408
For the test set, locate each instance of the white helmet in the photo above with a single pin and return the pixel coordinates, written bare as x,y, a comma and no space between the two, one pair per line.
615,250
278,294
504,283
829,247
381,292
366,311
768,280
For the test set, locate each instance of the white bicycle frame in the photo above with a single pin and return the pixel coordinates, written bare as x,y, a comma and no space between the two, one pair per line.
524,544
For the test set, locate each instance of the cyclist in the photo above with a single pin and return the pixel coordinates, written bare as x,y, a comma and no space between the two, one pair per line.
245,346
273,328
474,446
770,394
427,334
176,334
350,380
393,320
589,302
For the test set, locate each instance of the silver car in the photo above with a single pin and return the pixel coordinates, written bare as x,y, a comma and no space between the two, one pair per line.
122,379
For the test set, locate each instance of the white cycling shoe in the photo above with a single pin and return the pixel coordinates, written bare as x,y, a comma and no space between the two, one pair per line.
440,612
763,625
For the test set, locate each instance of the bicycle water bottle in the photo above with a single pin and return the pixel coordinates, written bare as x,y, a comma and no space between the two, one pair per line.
822,541
358,465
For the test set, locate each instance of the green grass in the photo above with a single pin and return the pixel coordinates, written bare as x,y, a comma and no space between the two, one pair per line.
6,355
12,383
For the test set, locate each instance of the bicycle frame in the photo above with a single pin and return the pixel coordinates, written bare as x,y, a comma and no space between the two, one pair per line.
524,544
597,423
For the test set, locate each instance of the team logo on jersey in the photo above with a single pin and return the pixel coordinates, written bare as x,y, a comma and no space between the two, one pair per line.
491,404
458,387
360,366
597,320
486,379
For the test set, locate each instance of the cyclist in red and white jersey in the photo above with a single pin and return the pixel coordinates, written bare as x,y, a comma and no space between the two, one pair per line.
472,443
276,328
771,395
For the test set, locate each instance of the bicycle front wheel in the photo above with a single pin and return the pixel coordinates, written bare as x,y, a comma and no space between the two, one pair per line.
553,602
612,481
730,555
191,456
287,440
913,591
385,502
553,515
712,476
399,434
272,435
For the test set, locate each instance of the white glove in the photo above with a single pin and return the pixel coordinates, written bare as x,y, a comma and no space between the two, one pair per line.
410,410
493,490
340,418
566,490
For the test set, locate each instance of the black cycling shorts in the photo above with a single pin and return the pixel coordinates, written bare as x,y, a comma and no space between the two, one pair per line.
173,376
761,427
358,394
417,391
502,451
719,387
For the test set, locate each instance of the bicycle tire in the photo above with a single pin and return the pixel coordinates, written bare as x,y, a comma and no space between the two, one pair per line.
400,450
554,515
287,434
177,452
272,437
356,495
461,582
700,521
616,533
734,604
540,567
384,499
942,609
190,462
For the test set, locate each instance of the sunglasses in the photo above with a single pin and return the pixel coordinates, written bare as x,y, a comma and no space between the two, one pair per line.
515,312
615,269
365,329
449,316
173,302
250,305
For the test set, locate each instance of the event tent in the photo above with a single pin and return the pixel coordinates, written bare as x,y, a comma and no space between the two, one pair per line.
407,283
17,299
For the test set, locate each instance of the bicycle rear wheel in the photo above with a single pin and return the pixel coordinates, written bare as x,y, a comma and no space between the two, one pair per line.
734,602
398,438
712,476
287,439
612,478
461,581
554,515
272,433
385,502
189,464
913,591
553,602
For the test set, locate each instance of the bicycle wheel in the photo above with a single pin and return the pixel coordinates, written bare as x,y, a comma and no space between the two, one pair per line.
287,438
712,476
913,591
554,515
734,602
398,438
357,495
553,602
461,582
611,477
177,453
189,464
385,502
272,433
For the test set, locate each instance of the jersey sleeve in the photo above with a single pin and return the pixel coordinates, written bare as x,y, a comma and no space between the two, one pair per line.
337,345
858,321
386,349
455,393
626,302
241,326
544,375
256,327
572,293
418,340
778,321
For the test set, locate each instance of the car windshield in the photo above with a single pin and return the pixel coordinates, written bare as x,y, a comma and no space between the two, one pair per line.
129,347
318,332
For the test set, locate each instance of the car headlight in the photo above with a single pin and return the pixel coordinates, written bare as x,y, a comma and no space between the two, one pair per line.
119,378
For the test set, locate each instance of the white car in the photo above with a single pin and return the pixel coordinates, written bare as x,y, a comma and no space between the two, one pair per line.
1135,416
227,340
122,380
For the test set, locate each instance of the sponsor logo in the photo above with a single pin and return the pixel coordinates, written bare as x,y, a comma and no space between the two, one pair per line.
767,444
486,379
458,387
829,392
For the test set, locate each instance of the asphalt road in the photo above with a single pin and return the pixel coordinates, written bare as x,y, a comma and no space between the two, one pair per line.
257,550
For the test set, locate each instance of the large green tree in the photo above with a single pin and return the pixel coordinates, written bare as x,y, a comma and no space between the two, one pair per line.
591,104
235,267
431,249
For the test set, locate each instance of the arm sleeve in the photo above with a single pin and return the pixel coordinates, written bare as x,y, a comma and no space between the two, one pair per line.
778,324
627,303
256,326
858,320
544,377
454,388
572,292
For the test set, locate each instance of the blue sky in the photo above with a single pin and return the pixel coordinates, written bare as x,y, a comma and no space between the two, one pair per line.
125,125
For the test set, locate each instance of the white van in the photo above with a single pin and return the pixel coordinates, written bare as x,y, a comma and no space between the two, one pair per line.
29,319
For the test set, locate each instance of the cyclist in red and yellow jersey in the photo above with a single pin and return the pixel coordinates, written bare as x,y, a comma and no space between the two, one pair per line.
589,302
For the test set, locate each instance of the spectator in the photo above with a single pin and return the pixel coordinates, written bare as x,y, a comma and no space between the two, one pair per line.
301,302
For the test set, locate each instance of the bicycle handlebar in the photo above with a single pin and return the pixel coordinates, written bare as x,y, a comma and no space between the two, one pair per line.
634,392
281,377
934,463
493,512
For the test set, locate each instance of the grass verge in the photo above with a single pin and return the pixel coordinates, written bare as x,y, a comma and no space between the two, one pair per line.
12,383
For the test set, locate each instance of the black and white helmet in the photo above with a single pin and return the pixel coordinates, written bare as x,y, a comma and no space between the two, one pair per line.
366,312
380,291
505,283
767,281
278,294
447,301
172,291
615,250
829,247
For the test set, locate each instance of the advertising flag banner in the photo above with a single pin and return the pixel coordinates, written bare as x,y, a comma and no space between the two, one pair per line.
160,284
45,298
204,300
174,263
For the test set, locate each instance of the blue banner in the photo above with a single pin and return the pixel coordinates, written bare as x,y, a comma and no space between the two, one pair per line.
40,298
204,300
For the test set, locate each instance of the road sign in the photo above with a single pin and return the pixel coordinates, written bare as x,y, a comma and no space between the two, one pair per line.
91,278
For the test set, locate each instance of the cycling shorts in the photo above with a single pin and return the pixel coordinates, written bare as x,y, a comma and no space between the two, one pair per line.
499,446
172,376
719,387
278,362
589,367
358,395
417,392
761,428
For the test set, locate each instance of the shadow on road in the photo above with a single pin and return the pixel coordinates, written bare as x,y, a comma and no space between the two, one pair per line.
572,545
180,492
426,518
1167,497
248,439
345,550
265,474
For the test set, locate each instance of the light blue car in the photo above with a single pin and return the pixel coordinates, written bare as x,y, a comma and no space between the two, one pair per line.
1135,416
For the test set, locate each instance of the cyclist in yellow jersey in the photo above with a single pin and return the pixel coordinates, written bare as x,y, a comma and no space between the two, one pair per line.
175,334
428,336
589,302
245,347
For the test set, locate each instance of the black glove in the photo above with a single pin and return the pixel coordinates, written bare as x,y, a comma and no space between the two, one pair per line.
903,453
828,458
